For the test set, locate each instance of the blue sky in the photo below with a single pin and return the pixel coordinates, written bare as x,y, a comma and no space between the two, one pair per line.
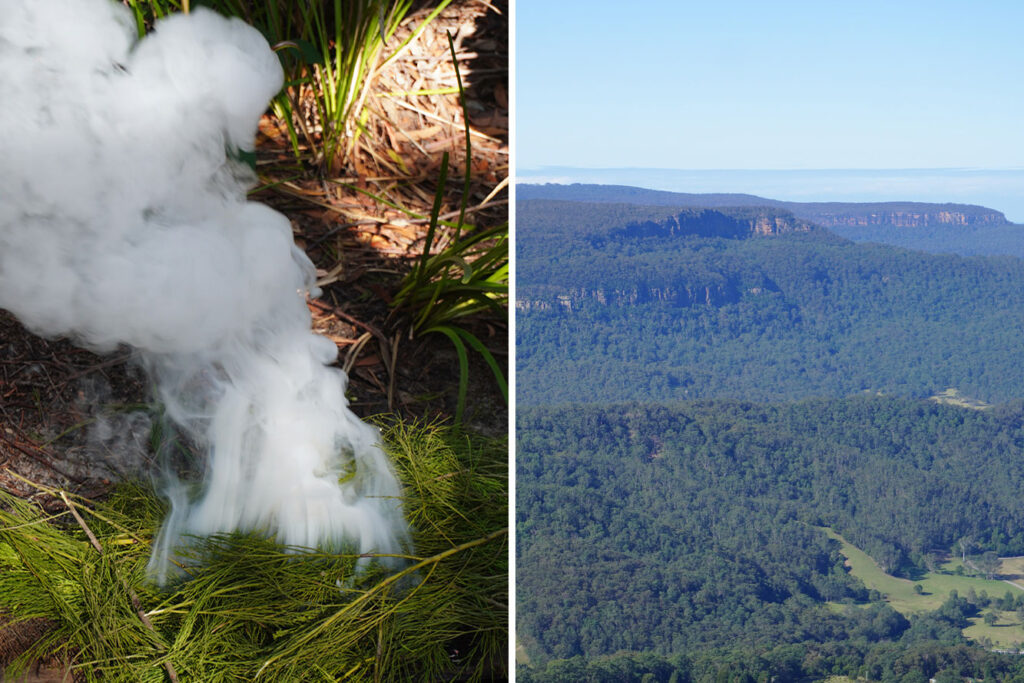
770,85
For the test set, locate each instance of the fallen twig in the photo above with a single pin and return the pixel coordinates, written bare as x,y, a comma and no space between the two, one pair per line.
35,456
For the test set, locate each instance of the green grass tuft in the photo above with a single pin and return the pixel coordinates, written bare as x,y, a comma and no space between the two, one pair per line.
253,611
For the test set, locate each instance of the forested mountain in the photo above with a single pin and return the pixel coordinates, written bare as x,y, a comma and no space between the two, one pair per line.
614,302
702,389
969,240
963,229
689,528
828,214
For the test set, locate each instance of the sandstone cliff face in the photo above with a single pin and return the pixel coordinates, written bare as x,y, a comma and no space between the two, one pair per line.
683,291
679,295
906,219
725,223
675,294
765,225
575,298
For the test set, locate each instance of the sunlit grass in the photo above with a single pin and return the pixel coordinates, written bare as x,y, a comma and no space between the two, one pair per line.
1007,632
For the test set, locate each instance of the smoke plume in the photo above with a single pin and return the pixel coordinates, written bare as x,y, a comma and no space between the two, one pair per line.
123,220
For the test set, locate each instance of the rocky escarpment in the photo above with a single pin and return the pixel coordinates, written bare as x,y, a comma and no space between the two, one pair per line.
827,214
729,223
677,294
614,284
905,216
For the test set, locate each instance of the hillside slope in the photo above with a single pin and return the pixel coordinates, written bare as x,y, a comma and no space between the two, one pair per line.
615,302
689,527
963,229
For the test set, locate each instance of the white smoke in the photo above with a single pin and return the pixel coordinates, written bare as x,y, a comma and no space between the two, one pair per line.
123,219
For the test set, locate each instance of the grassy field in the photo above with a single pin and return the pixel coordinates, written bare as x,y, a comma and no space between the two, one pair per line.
1006,632
1012,569
901,595
954,398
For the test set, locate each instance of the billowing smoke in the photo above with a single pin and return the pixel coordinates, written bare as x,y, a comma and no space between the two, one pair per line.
123,220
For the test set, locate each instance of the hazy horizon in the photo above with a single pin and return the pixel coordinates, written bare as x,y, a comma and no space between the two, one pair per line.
788,85
999,189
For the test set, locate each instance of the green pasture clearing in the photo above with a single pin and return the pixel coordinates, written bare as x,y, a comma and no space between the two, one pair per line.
953,397
901,596
1012,569
900,593
1008,631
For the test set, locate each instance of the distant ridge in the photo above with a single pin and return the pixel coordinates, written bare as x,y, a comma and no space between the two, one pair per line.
826,214
619,301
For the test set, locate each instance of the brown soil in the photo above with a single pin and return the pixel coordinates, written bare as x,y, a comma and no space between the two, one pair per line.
52,393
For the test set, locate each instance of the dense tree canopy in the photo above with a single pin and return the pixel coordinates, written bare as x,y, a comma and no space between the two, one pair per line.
678,529
606,314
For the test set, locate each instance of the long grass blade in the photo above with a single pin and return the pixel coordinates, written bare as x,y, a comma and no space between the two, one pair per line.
485,353
460,350
442,178
469,145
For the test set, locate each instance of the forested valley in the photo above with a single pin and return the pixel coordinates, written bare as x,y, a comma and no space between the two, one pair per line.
705,403
693,528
